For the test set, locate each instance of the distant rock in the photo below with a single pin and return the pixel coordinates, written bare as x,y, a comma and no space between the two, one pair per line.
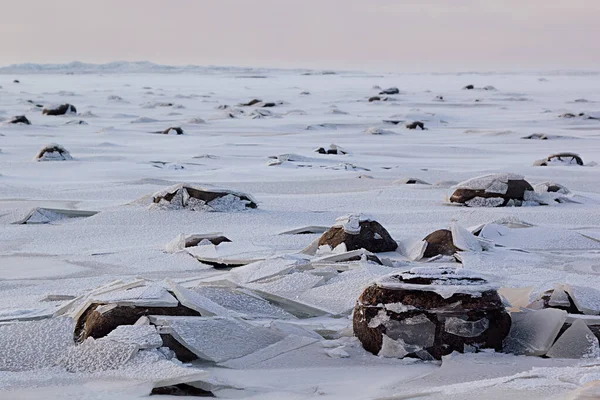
469,87
392,90
182,241
430,312
16,81
415,125
333,149
411,181
60,110
550,187
489,87
379,131
20,119
495,190
172,131
198,198
53,152
250,103
536,136
76,122
356,232
377,98
560,159
439,98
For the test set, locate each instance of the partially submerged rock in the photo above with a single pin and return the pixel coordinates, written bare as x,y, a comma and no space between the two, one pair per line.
378,131
198,198
430,312
495,190
377,98
172,131
392,90
355,232
469,87
250,103
53,152
415,125
19,119
182,241
439,243
560,159
333,149
60,110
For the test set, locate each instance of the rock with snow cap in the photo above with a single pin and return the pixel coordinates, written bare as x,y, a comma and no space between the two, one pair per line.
559,159
198,198
53,152
358,232
429,312
495,190
19,119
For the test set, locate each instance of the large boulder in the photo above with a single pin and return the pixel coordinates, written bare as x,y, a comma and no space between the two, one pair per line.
357,232
430,312
53,152
495,190
198,198
559,159
60,110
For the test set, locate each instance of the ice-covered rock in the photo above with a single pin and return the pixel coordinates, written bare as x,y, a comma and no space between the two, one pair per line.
391,90
42,215
533,331
19,119
577,341
53,152
198,198
560,159
429,312
355,232
182,241
438,243
493,190
551,187
379,131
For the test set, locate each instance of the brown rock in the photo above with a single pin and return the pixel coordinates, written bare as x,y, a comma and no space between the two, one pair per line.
250,103
515,191
181,389
216,240
439,243
372,237
415,125
429,325
61,110
204,194
95,324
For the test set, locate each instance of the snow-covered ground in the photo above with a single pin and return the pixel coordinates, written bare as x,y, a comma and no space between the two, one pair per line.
118,159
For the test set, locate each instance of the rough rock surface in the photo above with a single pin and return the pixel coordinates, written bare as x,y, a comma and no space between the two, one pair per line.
428,313
439,243
370,236
192,197
501,187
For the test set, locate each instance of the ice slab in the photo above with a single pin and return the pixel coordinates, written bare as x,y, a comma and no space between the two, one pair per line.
464,240
586,299
142,336
533,332
306,230
577,341
265,269
41,215
97,355
217,338
460,327
289,343
248,305
36,344
195,301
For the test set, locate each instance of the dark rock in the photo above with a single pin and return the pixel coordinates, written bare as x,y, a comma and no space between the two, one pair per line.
216,240
469,87
377,98
392,121
424,324
178,131
61,110
566,158
415,125
96,325
250,103
567,115
392,90
16,81
515,191
20,119
181,352
439,243
181,390
372,237
180,195
265,105
53,152
333,149
538,136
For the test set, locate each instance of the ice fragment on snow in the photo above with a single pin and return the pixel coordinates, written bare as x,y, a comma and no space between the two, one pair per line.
216,338
97,355
351,223
577,341
463,239
142,336
195,301
391,348
338,352
586,299
36,344
399,307
533,332
460,327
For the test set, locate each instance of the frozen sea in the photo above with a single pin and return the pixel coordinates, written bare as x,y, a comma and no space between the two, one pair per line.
118,159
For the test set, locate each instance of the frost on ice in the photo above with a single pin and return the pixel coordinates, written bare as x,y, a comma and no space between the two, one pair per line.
97,355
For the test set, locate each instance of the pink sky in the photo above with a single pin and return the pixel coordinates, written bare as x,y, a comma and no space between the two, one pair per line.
391,35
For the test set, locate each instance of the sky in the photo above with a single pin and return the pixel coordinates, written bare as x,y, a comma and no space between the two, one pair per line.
383,35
